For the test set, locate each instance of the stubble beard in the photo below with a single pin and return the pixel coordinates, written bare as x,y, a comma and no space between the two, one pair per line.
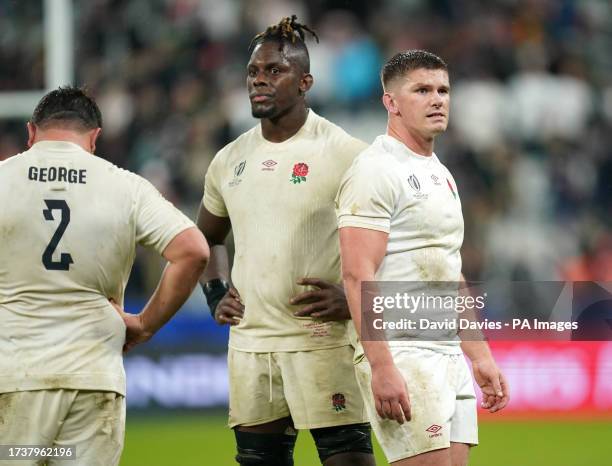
265,112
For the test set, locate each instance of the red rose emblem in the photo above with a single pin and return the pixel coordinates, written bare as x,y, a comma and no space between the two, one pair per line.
300,171
338,401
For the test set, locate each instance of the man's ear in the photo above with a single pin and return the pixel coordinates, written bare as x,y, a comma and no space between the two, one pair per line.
306,83
31,133
390,104
93,137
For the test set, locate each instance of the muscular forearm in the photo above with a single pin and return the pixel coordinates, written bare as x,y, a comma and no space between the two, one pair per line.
378,353
359,267
215,229
476,350
473,342
376,350
218,265
177,282
352,289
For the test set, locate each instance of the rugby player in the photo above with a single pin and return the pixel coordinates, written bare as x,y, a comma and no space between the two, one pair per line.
69,226
290,358
400,219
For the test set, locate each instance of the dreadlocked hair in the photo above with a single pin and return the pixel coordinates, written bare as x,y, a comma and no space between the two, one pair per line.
287,30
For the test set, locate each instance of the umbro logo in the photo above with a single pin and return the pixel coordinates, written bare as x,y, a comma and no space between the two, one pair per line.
434,429
269,165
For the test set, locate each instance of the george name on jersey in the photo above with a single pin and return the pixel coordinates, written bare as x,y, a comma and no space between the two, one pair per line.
62,174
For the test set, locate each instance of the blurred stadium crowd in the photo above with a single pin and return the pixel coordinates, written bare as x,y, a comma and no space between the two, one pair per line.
530,141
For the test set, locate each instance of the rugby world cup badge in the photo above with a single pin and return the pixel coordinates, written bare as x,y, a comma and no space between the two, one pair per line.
415,184
413,181
238,171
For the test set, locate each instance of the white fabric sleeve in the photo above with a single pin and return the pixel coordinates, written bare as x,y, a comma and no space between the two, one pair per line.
366,197
213,199
157,221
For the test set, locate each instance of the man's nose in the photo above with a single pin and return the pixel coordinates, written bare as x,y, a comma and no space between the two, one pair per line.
437,100
260,79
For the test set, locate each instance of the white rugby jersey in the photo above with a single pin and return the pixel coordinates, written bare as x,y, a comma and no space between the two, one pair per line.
69,225
413,198
280,200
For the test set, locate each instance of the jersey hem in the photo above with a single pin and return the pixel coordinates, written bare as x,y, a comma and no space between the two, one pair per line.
290,349
410,454
213,209
344,422
355,222
265,420
173,234
92,381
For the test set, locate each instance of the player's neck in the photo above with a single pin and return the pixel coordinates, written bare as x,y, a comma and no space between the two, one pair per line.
282,128
82,140
416,143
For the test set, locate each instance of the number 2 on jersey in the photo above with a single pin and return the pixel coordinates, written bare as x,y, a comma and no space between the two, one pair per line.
47,257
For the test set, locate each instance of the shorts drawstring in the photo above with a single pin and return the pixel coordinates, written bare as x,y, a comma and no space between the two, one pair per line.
270,374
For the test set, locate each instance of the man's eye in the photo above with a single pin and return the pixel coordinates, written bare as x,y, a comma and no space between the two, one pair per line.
422,90
274,71
252,73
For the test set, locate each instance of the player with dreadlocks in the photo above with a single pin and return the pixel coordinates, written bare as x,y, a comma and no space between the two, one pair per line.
290,358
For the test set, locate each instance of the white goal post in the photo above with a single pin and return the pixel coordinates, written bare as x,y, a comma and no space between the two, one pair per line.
59,60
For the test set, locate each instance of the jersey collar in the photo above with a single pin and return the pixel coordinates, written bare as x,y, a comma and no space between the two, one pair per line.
57,146
399,149
306,127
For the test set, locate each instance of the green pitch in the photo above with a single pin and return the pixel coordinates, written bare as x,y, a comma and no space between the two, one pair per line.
202,440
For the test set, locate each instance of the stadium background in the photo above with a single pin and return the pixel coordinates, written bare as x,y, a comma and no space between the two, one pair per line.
529,144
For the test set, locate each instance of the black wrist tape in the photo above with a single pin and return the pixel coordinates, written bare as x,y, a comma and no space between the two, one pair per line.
215,290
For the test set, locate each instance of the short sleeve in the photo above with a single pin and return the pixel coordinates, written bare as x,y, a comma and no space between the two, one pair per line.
350,147
366,197
213,199
344,147
157,220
